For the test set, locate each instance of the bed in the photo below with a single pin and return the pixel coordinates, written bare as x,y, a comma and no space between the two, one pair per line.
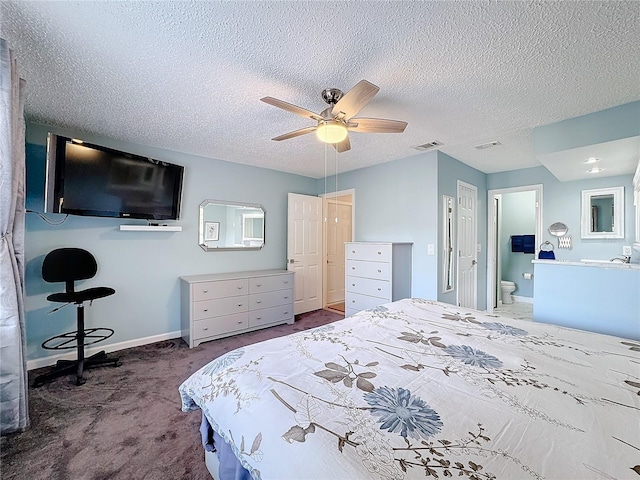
418,388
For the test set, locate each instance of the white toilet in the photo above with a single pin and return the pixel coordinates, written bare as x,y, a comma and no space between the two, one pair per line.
507,287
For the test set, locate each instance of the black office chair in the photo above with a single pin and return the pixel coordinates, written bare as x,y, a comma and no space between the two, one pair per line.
69,265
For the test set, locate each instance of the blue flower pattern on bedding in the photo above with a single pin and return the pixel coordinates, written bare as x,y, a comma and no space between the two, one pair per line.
473,357
504,329
223,361
401,412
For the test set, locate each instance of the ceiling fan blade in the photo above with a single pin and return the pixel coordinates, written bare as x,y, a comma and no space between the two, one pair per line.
289,107
296,133
356,98
343,146
376,125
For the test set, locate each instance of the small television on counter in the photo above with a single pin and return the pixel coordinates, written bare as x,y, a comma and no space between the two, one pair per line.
87,179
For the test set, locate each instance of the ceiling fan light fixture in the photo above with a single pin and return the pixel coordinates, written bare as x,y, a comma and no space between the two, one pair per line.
331,131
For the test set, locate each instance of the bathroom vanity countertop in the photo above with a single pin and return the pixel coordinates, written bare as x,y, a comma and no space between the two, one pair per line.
588,263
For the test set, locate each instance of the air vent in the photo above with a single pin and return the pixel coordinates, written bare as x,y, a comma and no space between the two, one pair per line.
429,145
482,146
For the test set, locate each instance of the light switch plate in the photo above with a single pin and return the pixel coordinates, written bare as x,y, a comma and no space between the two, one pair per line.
431,249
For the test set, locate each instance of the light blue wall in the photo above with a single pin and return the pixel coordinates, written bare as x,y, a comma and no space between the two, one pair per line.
518,217
598,299
604,126
144,267
397,202
562,203
450,171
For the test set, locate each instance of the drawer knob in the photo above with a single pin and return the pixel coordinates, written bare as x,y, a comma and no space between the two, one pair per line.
353,251
259,301
239,304
258,318
205,291
379,289
206,310
285,297
353,268
353,301
353,284
258,284
240,322
379,271
286,313
239,287
205,328
286,281
379,253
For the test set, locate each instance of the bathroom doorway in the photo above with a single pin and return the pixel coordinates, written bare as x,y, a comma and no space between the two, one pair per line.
514,212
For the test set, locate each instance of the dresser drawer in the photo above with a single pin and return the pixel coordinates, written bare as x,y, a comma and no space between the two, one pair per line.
356,301
270,315
220,307
369,286
220,289
220,325
370,252
377,270
270,299
270,283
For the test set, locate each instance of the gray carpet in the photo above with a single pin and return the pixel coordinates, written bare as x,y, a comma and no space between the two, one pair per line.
124,423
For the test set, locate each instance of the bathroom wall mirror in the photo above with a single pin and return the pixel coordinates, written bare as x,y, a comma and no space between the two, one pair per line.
448,244
231,226
603,213
558,229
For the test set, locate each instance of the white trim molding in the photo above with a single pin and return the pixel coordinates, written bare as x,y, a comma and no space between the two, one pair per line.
112,347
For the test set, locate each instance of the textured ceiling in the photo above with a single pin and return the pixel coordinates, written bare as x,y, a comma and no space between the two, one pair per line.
188,76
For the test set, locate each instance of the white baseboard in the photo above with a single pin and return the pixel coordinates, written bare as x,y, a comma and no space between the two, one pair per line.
113,347
519,299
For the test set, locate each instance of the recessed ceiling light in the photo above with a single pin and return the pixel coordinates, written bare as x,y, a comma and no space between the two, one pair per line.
595,170
592,160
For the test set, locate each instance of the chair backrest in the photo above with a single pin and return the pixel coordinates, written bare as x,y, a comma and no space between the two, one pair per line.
68,265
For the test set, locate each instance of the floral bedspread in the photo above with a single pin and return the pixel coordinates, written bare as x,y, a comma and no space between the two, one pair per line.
417,389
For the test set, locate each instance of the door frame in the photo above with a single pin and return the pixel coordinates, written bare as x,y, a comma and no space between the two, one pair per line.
493,227
325,197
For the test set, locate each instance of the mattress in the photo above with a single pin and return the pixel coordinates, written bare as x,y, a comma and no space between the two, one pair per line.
418,388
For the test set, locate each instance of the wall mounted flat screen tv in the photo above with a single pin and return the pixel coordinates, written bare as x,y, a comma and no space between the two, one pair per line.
86,179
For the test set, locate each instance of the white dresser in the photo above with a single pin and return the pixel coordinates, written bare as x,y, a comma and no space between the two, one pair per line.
376,273
224,304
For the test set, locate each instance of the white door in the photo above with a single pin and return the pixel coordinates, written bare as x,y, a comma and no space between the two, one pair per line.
304,250
467,241
339,229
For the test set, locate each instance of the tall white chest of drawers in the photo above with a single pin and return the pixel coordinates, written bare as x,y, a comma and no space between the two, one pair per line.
376,273
219,305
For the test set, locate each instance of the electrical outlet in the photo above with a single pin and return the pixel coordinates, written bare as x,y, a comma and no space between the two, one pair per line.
431,249
626,250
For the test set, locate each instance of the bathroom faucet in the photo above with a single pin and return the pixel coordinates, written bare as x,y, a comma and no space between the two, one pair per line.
623,259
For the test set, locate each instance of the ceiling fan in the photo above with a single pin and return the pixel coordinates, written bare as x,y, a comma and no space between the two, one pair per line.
334,122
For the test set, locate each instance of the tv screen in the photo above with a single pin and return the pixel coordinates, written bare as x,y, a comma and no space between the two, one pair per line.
86,179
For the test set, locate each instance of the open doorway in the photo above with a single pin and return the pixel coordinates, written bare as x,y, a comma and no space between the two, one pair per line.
513,213
338,229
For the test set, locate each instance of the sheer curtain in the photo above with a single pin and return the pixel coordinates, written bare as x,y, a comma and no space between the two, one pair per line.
14,413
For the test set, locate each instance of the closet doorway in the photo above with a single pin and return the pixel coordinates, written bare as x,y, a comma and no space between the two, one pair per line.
338,229
498,226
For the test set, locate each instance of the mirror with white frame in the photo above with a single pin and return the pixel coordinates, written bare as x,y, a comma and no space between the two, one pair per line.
231,226
603,213
448,271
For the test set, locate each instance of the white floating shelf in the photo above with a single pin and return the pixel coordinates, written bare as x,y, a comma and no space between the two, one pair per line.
151,228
